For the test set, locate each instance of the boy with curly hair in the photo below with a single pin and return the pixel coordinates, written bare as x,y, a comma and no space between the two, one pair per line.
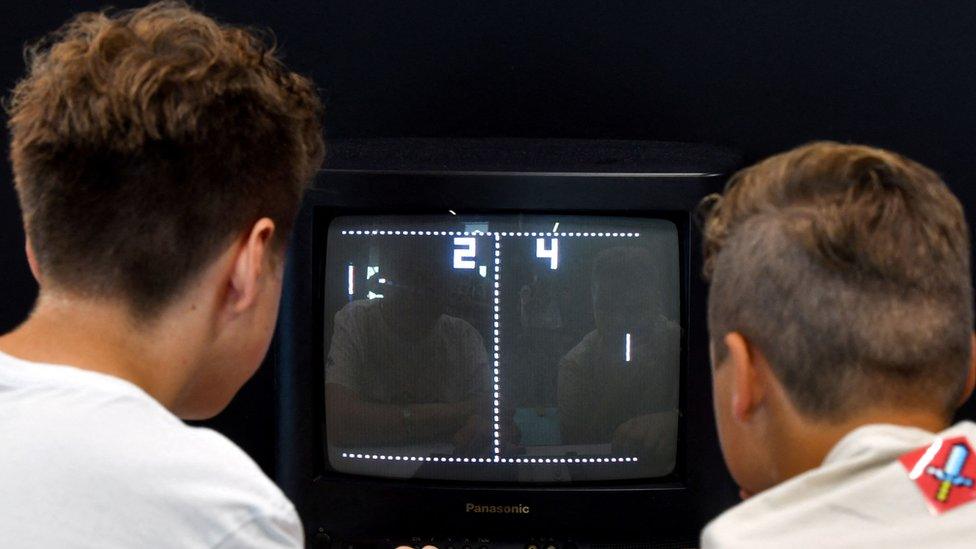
159,158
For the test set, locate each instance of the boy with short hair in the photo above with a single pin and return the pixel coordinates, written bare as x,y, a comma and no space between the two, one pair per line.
841,320
159,159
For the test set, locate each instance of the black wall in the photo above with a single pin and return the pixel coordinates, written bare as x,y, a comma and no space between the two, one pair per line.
761,76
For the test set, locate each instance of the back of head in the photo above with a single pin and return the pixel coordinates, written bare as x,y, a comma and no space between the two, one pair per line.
144,141
848,266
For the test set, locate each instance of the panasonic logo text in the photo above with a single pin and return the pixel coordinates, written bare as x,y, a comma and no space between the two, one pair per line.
497,509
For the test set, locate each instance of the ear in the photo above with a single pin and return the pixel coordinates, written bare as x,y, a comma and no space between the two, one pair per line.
748,381
250,266
32,260
971,376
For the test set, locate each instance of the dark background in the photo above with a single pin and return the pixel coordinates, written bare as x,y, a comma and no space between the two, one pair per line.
760,76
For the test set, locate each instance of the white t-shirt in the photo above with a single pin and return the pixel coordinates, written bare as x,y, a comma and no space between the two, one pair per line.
861,496
91,460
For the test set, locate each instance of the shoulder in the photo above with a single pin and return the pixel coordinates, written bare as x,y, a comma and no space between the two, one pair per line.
127,453
579,356
195,465
186,458
863,499
457,328
206,457
198,477
229,491
358,311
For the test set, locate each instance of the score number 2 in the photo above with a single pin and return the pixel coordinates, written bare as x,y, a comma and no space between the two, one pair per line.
465,251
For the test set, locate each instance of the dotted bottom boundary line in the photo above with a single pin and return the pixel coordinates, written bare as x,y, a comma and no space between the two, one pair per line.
381,457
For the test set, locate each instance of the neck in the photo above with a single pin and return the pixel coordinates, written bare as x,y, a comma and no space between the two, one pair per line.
101,336
805,444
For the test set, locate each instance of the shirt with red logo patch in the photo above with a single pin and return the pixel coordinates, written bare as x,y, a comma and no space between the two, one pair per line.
880,486
944,471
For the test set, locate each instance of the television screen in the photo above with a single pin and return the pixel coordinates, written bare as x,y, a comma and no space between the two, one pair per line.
522,348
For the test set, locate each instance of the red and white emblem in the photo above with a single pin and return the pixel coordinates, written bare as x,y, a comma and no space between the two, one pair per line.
945,472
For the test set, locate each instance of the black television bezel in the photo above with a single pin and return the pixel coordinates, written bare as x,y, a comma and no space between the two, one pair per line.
352,507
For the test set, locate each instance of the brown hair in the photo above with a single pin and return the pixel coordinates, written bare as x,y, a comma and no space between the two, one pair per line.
143,141
848,266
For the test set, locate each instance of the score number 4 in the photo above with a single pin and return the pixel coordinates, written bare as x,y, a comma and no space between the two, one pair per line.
551,253
465,251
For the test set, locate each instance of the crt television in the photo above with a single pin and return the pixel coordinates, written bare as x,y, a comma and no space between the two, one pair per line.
500,343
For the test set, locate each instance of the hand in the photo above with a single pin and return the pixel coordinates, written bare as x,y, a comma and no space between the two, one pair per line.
650,437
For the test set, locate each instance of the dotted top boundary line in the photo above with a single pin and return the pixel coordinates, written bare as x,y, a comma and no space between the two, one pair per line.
492,233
